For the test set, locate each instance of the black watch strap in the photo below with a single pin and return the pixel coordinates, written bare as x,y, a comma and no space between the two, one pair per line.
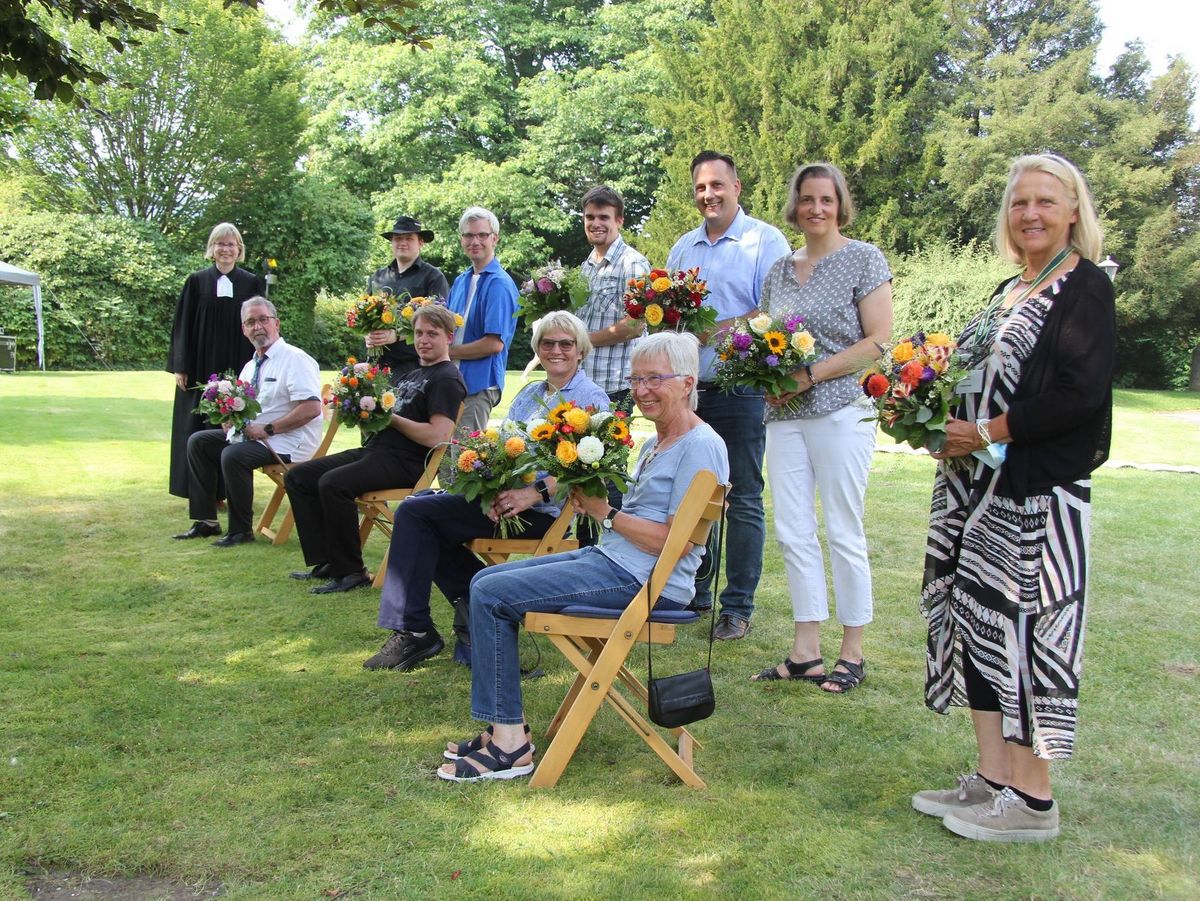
269,428
540,485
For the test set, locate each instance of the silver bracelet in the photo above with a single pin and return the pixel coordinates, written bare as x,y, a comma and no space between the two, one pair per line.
981,426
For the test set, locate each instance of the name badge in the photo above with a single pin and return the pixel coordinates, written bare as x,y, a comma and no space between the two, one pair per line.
972,383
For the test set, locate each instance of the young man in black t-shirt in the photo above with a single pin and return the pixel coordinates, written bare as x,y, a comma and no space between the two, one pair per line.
322,491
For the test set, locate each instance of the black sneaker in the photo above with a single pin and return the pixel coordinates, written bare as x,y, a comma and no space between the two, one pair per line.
404,650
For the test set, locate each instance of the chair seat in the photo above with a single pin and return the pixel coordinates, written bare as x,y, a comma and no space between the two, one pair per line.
675,617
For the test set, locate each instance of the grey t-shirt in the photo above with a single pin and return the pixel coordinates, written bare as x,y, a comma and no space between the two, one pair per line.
828,301
657,489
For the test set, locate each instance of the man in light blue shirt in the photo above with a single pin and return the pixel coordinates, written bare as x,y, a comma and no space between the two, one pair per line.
486,297
734,252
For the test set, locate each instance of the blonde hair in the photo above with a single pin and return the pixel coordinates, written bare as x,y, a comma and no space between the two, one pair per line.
224,230
1086,237
439,315
565,321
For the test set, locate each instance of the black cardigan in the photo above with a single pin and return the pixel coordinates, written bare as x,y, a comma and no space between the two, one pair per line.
1060,417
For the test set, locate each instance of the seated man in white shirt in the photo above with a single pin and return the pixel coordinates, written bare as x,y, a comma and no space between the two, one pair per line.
288,382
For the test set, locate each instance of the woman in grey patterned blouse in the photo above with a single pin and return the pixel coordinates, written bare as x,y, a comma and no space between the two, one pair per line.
817,442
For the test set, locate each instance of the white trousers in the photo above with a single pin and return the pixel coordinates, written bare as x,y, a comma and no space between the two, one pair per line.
828,456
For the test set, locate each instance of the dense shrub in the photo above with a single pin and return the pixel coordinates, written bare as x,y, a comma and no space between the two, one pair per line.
941,287
109,287
331,341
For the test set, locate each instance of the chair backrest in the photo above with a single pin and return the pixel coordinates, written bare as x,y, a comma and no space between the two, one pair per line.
434,461
701,507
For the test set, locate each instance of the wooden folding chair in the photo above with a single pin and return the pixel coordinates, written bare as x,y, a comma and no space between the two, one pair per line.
276,472
374,504
597,643
497,550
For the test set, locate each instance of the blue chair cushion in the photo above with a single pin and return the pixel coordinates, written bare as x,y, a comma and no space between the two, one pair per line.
677,616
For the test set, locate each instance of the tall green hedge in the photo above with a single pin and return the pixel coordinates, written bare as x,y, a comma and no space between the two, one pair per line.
109,287
940,287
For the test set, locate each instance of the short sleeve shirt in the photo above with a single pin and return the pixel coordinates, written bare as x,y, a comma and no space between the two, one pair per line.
493,312
608,279
420,395
828,301
286,377
660,482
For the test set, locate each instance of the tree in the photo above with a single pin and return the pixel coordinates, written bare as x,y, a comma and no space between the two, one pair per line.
187,122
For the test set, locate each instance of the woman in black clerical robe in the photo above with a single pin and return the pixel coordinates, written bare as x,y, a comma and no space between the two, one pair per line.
207,336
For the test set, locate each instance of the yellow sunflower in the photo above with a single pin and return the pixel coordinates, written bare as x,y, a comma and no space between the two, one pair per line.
556,415
654,314
776,342
542,432
618,429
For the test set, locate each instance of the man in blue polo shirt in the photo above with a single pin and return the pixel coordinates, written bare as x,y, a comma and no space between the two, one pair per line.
486,297
734,252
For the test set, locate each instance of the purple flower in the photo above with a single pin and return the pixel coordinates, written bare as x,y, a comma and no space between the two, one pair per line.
928,376
210,393
545,285
743,354
250,392
742,341
771,360
794,324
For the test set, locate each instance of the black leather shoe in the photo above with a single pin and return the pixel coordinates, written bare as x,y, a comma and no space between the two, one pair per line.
198,530
234,538
320,571
343,583
730,628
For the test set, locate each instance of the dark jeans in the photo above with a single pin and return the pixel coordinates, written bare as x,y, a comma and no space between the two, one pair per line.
322,494
427,549
738,418
211,458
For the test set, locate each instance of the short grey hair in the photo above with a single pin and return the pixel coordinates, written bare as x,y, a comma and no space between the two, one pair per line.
477,212
682,350
259,301
567,322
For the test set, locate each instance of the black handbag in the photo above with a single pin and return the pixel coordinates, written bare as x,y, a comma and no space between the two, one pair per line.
674,701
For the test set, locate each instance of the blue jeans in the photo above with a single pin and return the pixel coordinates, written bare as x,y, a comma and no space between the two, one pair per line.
738,418
500,598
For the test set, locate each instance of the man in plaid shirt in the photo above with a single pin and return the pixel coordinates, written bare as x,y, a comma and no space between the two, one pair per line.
608,269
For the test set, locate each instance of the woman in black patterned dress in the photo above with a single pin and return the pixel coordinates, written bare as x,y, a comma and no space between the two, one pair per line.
1006,561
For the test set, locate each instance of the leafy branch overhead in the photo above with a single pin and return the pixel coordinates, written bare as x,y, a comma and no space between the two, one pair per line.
29,49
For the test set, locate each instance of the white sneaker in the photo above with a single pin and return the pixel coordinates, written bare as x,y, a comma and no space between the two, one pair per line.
1006,818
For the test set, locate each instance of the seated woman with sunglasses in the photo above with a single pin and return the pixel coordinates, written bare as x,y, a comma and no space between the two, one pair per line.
664,375
429,532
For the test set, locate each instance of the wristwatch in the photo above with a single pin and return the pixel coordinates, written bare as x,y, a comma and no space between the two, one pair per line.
540,485
269,428
607,522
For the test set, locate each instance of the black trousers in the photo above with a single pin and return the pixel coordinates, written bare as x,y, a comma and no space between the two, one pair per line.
211,457
322,494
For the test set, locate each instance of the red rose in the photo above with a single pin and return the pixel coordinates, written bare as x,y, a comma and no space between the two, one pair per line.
657,273
671,315
876,385
635,310
650,295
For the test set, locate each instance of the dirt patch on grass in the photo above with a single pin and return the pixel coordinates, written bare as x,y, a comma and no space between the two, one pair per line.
1183,669
68,884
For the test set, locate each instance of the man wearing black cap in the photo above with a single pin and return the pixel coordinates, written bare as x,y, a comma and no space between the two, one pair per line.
406,274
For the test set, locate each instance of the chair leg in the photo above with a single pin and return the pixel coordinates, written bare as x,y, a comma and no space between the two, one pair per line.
268,515
285,528
592,648
381,573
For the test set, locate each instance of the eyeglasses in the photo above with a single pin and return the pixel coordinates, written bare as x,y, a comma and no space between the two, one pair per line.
226,245
551,343
475,236
653,382
261,320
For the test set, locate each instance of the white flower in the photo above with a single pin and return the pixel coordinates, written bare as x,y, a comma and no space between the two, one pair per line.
225,386
533,424
598,419
360,368
367,403
761,323
238,404
591,449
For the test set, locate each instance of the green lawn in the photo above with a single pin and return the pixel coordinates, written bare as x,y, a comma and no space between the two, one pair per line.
170,708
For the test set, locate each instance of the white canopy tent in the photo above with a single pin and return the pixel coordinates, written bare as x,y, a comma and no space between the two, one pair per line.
11,275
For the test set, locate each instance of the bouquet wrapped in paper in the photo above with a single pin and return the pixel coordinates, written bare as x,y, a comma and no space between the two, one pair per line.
552,287
761,352
227,400
666,302
488,462
912,387
362,396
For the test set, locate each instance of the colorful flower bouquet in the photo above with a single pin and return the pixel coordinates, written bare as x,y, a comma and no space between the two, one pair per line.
582,446
489,462
408,308
370,313
226,399
552,287
363,396
670,302
912,388
762,352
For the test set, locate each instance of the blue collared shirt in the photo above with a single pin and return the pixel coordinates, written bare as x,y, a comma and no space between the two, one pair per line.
493,313
735,267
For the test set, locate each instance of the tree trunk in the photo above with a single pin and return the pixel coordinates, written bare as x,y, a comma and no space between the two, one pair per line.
1194,381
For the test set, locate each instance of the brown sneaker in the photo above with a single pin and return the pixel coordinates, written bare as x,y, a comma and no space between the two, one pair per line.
1006,818
971,790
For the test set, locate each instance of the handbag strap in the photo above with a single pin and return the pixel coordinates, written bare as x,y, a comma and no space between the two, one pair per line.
716,584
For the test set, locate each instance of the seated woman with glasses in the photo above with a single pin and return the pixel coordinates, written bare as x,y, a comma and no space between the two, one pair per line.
430,531
665,370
